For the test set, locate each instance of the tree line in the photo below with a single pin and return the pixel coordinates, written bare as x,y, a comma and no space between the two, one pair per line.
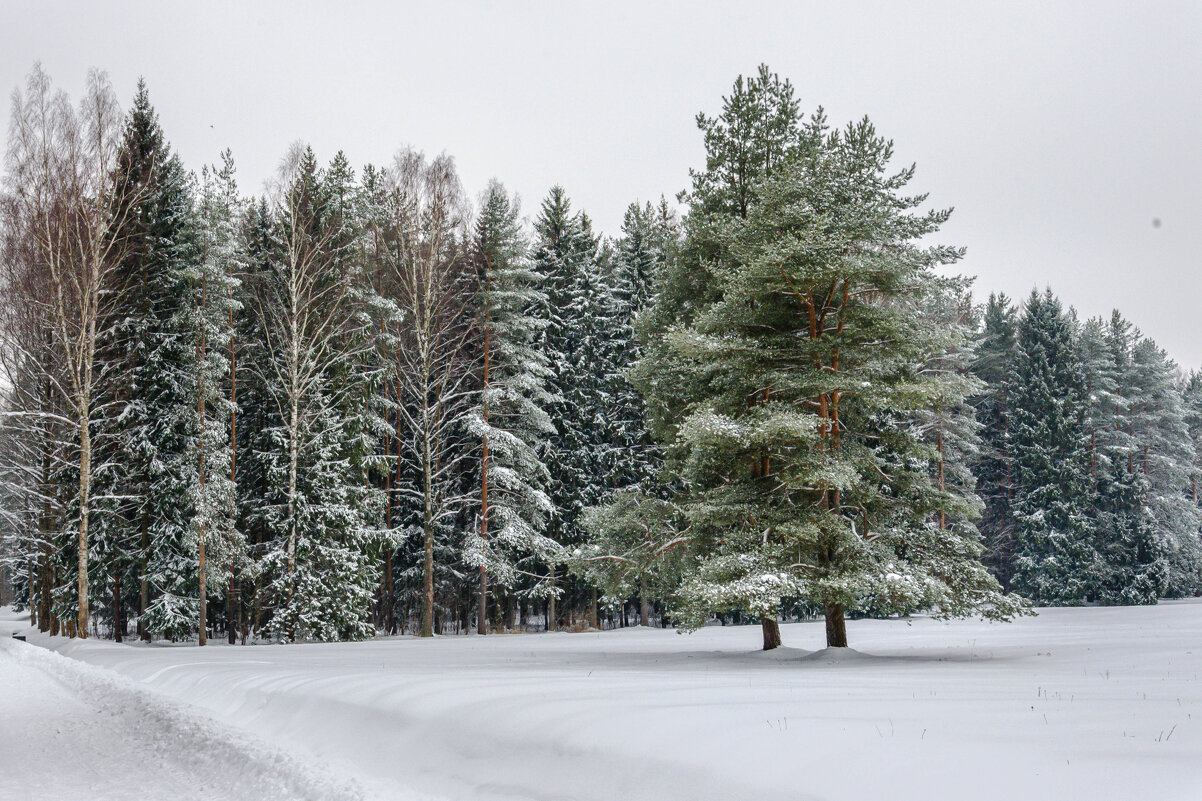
362,403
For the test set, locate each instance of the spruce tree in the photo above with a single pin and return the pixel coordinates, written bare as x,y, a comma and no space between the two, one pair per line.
1055,561
510,421
208,322
565,254
318,517
649,238
151,414
993,468
1132,564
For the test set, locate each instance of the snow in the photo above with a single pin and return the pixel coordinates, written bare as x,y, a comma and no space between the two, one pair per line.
73,732
1087,703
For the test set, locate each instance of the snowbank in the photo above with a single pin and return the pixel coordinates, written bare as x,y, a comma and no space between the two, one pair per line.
69,730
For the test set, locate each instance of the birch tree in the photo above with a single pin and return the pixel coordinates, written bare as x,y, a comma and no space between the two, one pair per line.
309,311
58,179
428,276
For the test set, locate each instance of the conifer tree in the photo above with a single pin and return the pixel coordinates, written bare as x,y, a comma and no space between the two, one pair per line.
649,238
1163,455
319,518
565,254
510,420
757,132
1133,570
993,469
152,423
1055,561
1191,396
208,322
792,379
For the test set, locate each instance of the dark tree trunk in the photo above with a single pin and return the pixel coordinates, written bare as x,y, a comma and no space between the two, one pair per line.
836,627
481,614
771,631
144,589
233,605
389,616
118,623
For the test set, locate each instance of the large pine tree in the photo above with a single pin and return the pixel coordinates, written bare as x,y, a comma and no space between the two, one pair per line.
795,371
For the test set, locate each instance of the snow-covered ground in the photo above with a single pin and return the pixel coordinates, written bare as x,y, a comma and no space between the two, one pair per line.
1073,704
70,731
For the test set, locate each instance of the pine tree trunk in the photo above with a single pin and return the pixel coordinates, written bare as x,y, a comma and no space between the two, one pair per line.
551,605
33,608
117,608
836,627
388,617
203,616
144,588
481,618
203,606
232,607
644,605
771,630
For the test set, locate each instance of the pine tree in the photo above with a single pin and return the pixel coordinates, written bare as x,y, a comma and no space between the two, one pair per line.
794,376
758,131
208,322
1164,454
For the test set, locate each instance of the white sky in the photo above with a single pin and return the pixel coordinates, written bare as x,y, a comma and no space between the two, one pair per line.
1058,131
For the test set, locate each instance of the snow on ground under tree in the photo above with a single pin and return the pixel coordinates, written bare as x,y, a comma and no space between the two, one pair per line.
1072,704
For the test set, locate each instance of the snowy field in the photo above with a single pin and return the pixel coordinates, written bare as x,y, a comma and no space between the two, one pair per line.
1073,704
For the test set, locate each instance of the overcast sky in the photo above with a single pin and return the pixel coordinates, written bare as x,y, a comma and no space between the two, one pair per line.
1059,132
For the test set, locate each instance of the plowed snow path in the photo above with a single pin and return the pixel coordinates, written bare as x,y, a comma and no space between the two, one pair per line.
69,732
